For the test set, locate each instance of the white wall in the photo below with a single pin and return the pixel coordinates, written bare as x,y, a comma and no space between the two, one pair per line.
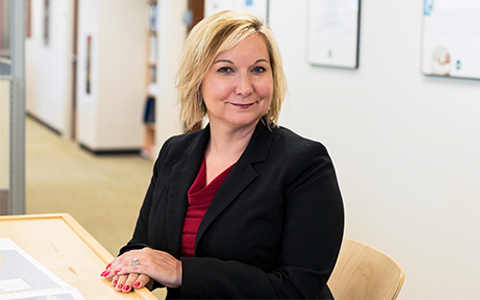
4,135
111,116
48,67
88,18
406,147
172,33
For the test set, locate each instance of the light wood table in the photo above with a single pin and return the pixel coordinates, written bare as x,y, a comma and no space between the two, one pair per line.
59,243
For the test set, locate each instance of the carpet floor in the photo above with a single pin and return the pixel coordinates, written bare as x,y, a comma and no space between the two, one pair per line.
103,193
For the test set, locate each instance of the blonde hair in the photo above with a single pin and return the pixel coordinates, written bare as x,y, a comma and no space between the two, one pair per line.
213,35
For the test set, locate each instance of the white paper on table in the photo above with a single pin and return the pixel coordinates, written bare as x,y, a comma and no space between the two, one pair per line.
22,277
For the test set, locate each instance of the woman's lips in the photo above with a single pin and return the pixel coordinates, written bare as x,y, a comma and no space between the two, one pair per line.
242,105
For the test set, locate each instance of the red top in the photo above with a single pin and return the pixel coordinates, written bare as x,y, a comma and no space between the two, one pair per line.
200,196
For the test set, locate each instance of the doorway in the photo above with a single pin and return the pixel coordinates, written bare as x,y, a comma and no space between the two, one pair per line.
197,8
73,113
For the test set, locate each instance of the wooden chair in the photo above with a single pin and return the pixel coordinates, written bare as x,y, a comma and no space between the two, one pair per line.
363,272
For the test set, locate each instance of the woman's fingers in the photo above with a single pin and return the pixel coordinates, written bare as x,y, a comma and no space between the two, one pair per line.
120,282
115,265
141,281
128,285
158,265
136,268
115,280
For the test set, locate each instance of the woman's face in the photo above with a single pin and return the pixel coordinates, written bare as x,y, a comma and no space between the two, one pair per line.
238,87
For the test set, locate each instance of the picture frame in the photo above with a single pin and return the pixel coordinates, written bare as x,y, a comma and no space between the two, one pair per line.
333,36
451,39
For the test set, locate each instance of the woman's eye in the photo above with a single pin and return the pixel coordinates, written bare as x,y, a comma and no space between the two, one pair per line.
225,70
258,70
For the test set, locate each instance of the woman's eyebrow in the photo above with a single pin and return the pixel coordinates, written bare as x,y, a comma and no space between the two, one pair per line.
231,62
223,61
262,60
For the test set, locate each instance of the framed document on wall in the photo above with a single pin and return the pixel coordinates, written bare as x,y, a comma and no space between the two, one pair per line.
258,7
333,33
451,38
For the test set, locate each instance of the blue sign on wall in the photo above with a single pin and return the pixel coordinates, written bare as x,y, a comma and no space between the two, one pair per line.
427,7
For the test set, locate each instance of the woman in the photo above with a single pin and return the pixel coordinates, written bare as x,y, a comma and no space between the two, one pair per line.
243,208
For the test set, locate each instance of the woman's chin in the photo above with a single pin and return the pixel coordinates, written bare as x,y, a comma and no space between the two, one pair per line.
244,121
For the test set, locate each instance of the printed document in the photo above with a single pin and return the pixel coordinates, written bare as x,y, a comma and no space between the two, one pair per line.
23,278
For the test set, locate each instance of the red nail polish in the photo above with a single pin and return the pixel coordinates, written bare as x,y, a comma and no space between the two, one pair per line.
120,286
114,282
116,271
136,284
126,288
105,273
108,266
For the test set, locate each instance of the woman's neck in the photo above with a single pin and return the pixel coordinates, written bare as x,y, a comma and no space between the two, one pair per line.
229,142
225,148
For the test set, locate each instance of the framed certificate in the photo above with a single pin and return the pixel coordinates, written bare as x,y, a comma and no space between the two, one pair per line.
333,33
258,7
451,38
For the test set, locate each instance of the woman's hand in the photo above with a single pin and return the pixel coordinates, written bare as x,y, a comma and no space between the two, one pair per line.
152,264
126,283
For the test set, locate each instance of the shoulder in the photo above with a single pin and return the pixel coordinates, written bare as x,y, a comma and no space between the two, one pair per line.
181,140
305,162
298,154
176,147
295,144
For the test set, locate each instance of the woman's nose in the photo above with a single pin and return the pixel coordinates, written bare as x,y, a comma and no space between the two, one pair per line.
244,85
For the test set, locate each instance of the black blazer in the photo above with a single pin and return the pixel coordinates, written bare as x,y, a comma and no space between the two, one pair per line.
273,230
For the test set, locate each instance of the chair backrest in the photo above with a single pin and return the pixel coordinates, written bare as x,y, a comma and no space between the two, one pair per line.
363,272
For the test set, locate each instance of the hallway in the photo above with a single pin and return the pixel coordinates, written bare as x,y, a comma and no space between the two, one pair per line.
103,193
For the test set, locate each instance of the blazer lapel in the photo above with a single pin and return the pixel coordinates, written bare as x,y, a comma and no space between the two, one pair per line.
239,178
182,176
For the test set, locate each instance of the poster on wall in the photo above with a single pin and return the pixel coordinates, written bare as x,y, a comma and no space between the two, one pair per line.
258,7
451,38
333,33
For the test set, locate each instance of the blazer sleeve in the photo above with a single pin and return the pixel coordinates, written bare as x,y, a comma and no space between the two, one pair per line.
311,239
140,235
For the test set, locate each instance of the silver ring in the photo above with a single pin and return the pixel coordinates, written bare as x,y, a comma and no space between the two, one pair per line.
135,262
